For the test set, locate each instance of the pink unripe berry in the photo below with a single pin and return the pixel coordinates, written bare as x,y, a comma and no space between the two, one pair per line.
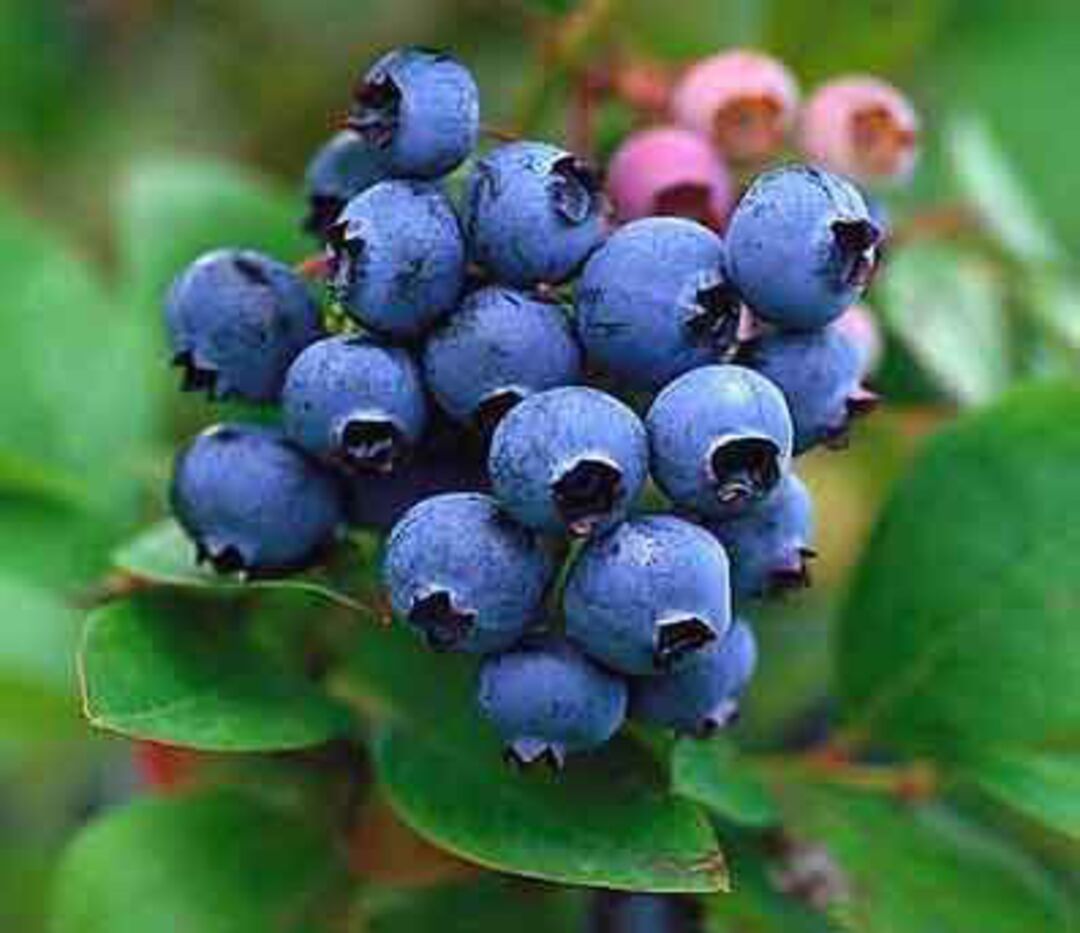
671,171
862,127
743,101
860,326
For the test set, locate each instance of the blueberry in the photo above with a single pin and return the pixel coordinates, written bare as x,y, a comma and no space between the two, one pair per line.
465,575
649,595
421,108
236,319
703,696
653,302
534,212
720,438
568,460
252,503
769,544
547,700
342,168
397,260
623,912
498,348
801,246
353,402
820,373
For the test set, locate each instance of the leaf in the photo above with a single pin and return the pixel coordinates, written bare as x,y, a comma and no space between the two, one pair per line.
1044,786
184,674
924,867
162,554
712,774
606,820
988,181
213,863
947,308
959,634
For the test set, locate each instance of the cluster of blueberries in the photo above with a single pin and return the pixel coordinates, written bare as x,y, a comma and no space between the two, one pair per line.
510,442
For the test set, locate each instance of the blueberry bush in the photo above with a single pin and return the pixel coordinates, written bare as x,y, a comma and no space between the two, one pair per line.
564,464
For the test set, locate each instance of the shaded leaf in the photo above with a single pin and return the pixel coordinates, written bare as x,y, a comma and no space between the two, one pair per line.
182,674
1044,786
213,863
960,631
711,773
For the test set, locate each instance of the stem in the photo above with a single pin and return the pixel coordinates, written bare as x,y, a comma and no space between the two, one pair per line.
911,782
316,267
944,222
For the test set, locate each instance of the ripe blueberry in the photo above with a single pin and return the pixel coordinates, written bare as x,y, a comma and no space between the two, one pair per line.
464,574
568,460
769,544
355,403
653,302
499,347
342,168
421,108
820,374
703,696
721,439
252,503
623,912
236,319
801,246
534,212
547,700
397,260
649,595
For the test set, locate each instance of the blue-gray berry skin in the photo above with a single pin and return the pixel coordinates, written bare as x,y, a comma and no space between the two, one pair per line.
252,503
397,258
464,574
720,439
534,213
801,246
624,912
547,700
703,696
236,319
649,595
499,347
354,402
820,374
653,302
769,544
569,460
341,168
421,108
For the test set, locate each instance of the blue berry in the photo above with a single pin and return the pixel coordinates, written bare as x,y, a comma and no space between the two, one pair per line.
721,439
703,696
568,460
547,700
653,302
397,260
768,545
236,319
534,213
463,574
252,503
623,912
499,347
820,374
353,402
649,595
421,108
341,168
801,246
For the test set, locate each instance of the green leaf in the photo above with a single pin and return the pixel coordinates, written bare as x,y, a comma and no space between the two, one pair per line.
960,631
910,868
606,820
172,210
163,555
711,773
1044,786
987,179
947,307
690,28
213,863
187,673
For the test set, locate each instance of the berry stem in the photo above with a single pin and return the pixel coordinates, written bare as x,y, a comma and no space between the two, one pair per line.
910,782
942,222
316,266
